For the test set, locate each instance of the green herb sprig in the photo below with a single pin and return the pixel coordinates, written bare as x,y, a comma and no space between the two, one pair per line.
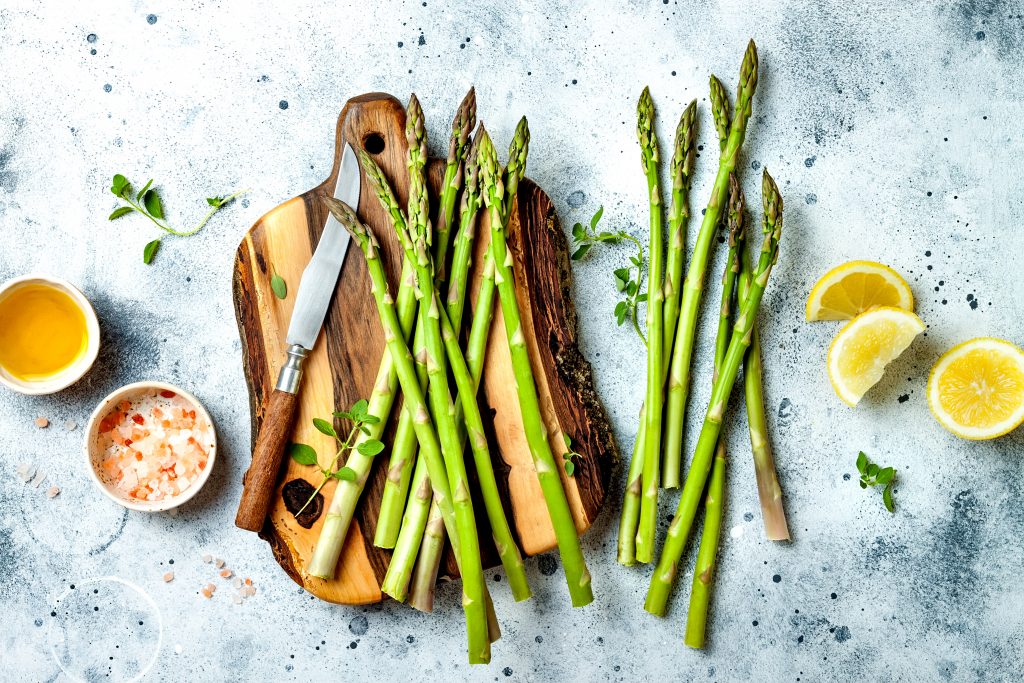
569,456
873,475
305,454
147,202
628,284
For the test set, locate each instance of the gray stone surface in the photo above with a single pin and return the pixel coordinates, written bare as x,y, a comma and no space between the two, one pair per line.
894,132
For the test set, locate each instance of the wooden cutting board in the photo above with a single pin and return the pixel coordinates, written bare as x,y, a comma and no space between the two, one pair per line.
342,367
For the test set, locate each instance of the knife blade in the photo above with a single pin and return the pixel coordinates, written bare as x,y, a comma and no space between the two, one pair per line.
321,275
317,285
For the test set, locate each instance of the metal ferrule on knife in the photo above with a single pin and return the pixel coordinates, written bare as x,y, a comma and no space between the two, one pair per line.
291,372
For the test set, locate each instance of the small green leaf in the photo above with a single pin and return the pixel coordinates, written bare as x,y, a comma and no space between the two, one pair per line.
885,475
887,498
150,251
120,211
370,447
216,202
863,484
152,202
620,284
578,233
359,408
279,286
873,469
567,440
862,462
302,454
642,298
143,190
345,474
119,185
570,467
631,288
581,252
636,261
597,217
324,427
342,414
369,419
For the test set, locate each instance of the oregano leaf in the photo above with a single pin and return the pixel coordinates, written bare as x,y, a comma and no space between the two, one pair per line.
151,200
302,454
120,211
279,286
149,251
324,427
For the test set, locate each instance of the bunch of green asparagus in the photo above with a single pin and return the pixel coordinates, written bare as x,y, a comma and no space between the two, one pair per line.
427,494
672,310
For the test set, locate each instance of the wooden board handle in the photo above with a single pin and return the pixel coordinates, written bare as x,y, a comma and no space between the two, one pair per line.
260,480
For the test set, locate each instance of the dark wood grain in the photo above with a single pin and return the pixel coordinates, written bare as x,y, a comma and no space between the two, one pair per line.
344,363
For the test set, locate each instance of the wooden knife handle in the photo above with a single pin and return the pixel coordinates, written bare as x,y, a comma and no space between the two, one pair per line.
260,480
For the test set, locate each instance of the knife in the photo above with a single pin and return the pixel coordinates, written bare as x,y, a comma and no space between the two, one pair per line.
318,282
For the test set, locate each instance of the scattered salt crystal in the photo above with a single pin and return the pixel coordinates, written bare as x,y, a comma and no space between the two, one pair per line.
218,563
225,573
42,422
40,478
25,472
52,492
736,531
207,559
237,599
237,583
178,648
168,577
71,425
251,590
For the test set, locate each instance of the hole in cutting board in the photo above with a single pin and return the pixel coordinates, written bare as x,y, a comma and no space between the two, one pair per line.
373,143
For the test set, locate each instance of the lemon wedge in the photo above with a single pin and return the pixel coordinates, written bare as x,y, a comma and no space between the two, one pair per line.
862,349
976,389
857,286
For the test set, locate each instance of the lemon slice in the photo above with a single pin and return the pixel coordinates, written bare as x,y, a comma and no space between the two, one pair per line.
976,390
862,349
852,288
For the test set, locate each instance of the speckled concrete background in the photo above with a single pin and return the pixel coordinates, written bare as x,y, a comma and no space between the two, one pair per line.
895,135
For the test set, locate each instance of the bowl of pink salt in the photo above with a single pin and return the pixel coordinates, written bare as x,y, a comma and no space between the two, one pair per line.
150,446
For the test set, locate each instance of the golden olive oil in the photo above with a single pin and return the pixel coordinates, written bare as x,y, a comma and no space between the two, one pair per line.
42,332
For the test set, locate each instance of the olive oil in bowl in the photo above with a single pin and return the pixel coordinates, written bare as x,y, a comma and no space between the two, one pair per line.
48,335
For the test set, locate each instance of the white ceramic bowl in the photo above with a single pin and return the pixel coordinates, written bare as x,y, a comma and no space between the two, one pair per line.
128,392
82,365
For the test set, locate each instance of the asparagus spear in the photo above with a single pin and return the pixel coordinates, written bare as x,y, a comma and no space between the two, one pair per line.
679,529
498,196
338,518
430,447
630,517
720,111
414,522
463,254
682,351
403,449
654,396
403,453
704,571
458,145
428,562
416,244
683,159
413,539
769,491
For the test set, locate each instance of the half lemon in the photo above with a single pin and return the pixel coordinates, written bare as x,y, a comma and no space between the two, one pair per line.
976,389
862,349
857,286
